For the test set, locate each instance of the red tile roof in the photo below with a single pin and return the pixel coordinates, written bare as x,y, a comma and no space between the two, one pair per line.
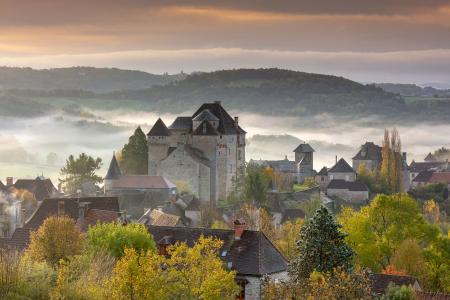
142,182
443,177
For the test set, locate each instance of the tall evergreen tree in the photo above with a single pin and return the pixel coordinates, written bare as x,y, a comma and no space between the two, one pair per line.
321,247
134,158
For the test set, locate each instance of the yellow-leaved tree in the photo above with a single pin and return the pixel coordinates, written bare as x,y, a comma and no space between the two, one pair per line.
185,273
57,238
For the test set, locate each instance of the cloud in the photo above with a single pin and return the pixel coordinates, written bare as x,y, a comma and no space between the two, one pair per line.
395,66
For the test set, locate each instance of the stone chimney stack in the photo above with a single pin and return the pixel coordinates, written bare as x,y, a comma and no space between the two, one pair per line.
9,181
236,122
239,227
335,160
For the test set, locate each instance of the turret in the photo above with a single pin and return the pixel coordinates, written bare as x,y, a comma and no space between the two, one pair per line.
113,173
158,146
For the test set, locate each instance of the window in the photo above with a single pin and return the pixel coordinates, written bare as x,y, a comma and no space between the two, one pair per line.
331,177
239,155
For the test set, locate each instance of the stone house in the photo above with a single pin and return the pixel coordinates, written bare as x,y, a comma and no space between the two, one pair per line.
417,167
368,155
342,183
205,150
431,176
249,253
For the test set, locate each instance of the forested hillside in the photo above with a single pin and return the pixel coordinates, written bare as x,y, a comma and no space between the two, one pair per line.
80,78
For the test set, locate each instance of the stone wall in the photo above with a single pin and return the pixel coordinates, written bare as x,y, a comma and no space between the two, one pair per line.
179,166
157,150
253,289
357,197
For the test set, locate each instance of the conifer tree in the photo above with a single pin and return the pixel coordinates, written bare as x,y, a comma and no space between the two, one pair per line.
134,158
321,247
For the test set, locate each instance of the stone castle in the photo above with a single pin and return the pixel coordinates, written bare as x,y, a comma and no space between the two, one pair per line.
205,150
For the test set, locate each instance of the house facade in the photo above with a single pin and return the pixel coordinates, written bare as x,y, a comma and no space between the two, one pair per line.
205,150
343,183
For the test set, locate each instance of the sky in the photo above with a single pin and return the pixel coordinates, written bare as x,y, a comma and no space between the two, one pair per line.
365,40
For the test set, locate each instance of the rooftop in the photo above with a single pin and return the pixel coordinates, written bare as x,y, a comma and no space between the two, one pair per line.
341,167
368,151
227,124
303,148
252,255
159,129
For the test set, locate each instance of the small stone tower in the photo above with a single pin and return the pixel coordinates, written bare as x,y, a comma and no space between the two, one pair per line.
304,161
113,173
158,146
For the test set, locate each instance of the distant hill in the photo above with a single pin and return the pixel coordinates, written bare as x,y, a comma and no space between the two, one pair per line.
272,91
412,90
262,91
81,78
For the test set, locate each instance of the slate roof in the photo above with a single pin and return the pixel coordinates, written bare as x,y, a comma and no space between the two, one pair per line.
369,151
49,207
2,187
142,182
94,216
40,188
381,281
114,169
341,167
205,115
417,167
354,186
323,172
423,176
184,123
159,129
304,148
252,255
19,239
205,128
226,122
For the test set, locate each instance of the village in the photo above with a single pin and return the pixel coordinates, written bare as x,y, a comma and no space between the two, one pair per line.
195,182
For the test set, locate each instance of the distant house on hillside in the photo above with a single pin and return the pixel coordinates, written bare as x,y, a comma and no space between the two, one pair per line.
321,178
417,167
369,155
249,253
299,169
342,183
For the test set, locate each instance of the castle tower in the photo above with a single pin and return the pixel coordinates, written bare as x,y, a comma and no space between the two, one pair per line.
304,161
158,146
113,173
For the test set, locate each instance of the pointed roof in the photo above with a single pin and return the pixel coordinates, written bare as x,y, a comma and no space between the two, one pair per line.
159,129
227,124
114,169
323,172
205,128
429,157
304,148
368,151
341,167
205,115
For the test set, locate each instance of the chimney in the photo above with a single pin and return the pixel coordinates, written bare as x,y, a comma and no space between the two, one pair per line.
336,159
404,156
239,227
236,122
9,181
61,208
